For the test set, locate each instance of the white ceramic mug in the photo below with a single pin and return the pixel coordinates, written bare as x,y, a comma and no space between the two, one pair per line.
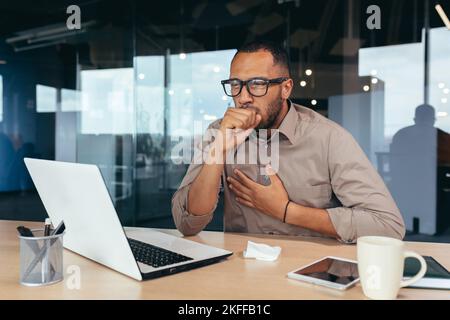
380,266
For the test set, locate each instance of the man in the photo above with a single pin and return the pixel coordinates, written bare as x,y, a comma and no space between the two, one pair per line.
418,161
324,186
423,138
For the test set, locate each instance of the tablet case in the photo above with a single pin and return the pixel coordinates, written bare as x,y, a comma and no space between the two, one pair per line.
436,277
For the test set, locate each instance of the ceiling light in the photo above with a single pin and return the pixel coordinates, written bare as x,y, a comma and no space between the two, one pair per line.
308,72
303,83
314,102
366,88
182,56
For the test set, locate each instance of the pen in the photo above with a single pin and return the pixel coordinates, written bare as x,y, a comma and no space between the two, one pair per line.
45,262
47,225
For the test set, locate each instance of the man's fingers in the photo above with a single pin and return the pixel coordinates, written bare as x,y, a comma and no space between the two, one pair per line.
245,118
240,194
245,202
248,116
246,181
246,111
238,186
242,110
241,122
232,122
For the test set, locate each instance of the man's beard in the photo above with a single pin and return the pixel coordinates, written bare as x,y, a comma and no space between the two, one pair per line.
273,110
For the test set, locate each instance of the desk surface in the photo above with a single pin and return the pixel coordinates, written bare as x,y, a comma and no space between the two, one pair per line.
235,278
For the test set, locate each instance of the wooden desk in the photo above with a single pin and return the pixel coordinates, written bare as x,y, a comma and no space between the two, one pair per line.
235,278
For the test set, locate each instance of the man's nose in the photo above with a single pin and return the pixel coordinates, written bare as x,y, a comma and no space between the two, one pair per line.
244,97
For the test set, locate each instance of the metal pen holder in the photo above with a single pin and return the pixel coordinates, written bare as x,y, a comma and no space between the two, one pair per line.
41,259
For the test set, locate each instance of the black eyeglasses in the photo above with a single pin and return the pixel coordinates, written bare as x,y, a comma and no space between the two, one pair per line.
257,87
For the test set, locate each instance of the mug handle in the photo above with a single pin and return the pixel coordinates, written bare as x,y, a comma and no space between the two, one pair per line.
420,274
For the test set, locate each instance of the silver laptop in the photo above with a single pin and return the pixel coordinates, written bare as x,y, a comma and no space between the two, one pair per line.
76,194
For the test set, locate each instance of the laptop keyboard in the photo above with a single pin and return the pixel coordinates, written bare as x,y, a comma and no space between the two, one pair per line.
154,256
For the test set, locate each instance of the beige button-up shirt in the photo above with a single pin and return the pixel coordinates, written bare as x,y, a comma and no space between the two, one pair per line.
321,166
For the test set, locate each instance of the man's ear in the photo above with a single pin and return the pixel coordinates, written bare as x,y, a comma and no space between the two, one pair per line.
287,87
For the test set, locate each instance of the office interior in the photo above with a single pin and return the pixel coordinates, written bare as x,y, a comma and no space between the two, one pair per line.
140,77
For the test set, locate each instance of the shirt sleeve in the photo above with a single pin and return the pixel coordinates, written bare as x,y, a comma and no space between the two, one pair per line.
367,206
189,224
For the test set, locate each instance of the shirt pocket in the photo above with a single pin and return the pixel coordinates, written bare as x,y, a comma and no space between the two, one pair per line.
311,196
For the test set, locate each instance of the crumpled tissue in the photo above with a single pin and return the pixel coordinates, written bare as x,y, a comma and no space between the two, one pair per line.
261,251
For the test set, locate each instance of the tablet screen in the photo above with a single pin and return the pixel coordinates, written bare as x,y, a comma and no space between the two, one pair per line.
333,270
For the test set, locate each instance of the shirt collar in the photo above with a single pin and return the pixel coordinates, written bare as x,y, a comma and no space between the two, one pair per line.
289,123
